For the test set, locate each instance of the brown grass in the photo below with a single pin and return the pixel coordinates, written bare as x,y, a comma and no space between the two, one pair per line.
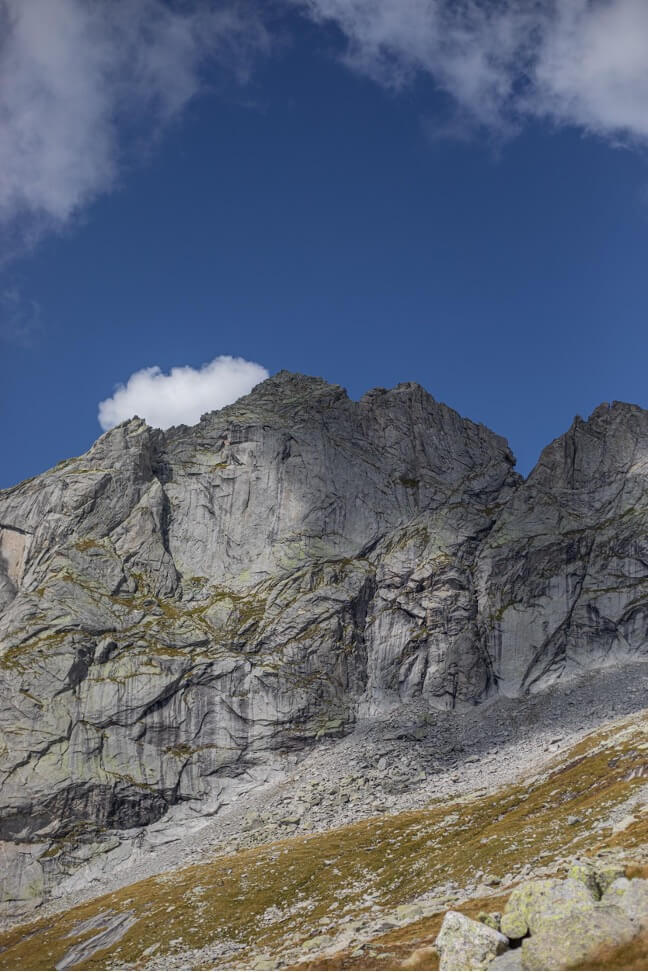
631,956
394,949
328,875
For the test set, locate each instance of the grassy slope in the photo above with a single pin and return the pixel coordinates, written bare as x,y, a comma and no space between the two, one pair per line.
271,899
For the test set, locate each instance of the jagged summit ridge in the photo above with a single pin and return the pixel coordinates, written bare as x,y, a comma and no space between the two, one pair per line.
295,464
180,610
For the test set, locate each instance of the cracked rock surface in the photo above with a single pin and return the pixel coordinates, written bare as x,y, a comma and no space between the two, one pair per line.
183,613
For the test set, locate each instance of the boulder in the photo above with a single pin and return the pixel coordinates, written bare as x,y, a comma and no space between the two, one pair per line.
536,902
466,944
509,961
571,940
631,896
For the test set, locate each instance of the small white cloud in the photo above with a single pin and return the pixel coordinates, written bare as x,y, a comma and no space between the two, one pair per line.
182,396
79,77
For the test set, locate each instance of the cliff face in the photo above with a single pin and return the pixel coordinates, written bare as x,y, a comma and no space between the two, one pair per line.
563,575
179,610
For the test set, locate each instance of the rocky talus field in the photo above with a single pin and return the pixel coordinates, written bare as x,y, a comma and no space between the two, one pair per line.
324,684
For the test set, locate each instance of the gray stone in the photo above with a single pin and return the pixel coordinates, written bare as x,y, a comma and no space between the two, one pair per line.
535,902
509,961
317,943
109,928
466,944
409,912
573,939
629,895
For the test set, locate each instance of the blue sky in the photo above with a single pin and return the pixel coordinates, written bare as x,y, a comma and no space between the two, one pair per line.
328,194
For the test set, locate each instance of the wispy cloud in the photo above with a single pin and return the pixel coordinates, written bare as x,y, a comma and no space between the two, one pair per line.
80,78
76,76
504,62
182,396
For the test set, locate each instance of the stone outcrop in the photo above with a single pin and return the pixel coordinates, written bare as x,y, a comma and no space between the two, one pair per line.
181,610
466,944
550,924
570,941
536,903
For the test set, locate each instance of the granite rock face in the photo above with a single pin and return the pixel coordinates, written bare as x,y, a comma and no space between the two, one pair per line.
562,578
180,610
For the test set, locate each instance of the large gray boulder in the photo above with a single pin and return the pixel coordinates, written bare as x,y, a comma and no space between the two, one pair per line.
572,940
466,944
534,903
562,924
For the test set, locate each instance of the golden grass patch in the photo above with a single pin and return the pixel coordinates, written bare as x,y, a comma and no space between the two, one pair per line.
271,899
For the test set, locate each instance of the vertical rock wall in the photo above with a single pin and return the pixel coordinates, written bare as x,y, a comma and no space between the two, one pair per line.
177,607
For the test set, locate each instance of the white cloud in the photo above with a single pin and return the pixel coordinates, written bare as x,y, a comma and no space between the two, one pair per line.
182,396
569,62
593,67
75,76
81,81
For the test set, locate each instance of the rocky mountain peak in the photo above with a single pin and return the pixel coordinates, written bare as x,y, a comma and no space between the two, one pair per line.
587,464
290,386
181,609
285,394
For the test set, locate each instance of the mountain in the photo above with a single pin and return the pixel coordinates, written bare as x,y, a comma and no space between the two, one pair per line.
185,613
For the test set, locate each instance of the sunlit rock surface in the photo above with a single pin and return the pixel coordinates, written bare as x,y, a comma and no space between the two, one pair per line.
181,610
